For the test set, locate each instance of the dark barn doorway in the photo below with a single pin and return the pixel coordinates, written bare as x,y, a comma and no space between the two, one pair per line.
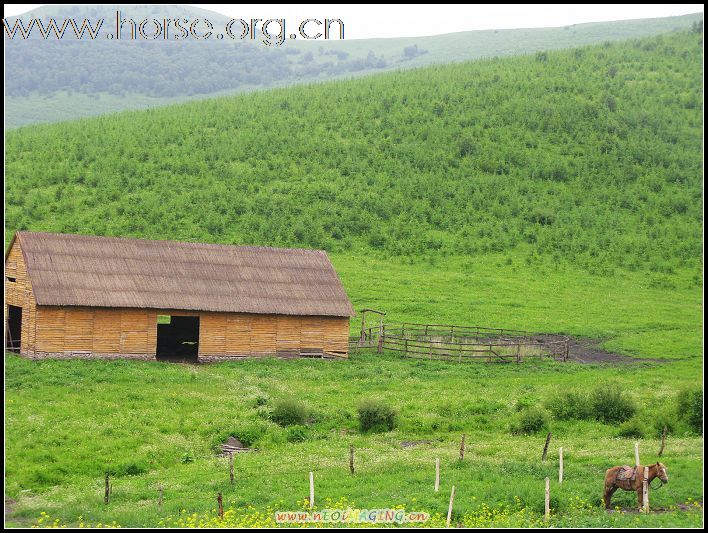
177,338
13,333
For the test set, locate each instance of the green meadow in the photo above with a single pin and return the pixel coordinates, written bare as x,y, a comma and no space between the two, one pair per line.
152,424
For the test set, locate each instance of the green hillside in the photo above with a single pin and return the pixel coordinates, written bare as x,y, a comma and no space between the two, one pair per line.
591,156
49,81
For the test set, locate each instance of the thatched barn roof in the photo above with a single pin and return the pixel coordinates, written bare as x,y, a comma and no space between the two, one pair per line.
78,270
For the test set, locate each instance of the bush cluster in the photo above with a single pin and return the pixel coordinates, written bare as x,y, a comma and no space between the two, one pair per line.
570,405
531,420
632,429
607,403
610,404
376,416
289,412
690,408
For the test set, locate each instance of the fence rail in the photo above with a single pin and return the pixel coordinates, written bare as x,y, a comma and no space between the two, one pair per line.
461,343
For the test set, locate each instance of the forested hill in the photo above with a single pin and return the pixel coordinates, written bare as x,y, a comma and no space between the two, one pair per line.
591,156
50,80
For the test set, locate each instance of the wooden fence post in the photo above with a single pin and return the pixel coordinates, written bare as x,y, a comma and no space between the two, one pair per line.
547,512
351,458
560,466
437,474
220,502
107,490
449,509
636,454
663,441
160,490
231,467
312,490
545,447
462,447
362,337
405,353
645,490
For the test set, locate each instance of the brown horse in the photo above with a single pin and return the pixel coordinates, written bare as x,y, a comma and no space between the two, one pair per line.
628,478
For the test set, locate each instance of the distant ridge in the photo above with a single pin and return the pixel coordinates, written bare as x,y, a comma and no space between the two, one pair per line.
48,83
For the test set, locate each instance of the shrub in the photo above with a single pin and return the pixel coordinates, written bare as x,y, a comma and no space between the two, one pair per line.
570,405
531,420
249,433
130,469
610,405
664,416
376,416
690,408
296,434
631,429
524,402
289,412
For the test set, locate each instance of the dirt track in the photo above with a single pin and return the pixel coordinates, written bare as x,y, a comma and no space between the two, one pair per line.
584,350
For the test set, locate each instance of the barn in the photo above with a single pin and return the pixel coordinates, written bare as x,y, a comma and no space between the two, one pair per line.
105,297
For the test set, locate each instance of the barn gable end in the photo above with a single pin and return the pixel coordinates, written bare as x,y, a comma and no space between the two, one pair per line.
18,293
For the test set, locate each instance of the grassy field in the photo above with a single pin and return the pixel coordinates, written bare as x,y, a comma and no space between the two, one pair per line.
67,422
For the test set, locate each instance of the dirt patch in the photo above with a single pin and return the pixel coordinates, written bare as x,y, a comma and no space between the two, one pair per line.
685,507
690,507
582,350
589,351
9,506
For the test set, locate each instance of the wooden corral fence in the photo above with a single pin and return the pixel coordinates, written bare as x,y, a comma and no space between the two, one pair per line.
460,343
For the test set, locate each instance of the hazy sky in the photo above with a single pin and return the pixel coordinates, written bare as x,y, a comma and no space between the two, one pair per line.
391,20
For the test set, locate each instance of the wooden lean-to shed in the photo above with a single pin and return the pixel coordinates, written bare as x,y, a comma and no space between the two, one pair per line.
108,297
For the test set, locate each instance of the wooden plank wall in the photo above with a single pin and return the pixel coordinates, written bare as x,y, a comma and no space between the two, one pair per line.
134,331
96,330
257,335
20,293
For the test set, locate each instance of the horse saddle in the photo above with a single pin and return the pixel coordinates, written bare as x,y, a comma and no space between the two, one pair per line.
627,473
